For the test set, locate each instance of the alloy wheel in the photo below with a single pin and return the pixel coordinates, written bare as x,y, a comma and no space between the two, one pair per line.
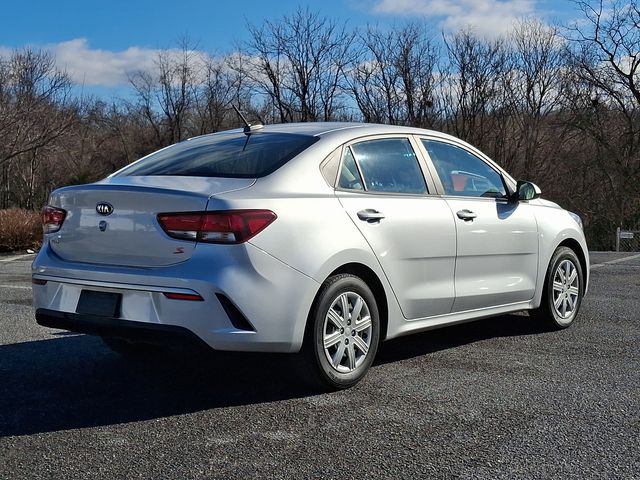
566,289
347,332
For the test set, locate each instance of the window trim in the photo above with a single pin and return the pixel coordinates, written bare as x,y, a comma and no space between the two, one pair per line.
430,185
504,176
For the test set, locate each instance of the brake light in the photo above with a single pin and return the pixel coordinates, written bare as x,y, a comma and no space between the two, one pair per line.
52,218
229,226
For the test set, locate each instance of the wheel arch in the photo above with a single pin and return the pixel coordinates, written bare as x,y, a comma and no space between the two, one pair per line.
574,245
373,282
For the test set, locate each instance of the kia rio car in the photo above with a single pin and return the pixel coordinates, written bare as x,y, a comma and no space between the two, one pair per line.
319,238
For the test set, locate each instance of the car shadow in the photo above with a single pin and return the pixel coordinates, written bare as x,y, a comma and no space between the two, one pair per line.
450,337
74,381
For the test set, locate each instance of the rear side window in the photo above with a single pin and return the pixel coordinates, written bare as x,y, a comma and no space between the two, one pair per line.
224,155
389,165
349,176
462,173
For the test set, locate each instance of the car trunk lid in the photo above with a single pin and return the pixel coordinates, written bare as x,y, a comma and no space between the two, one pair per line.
115,221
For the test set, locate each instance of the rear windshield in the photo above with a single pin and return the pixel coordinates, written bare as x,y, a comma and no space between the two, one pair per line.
224,155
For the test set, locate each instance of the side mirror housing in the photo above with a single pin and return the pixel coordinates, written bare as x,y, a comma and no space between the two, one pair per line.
527,191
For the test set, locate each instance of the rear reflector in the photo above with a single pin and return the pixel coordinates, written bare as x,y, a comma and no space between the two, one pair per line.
52,218
194,297
228,226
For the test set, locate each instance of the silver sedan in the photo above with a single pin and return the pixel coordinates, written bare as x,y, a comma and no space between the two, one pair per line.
318,238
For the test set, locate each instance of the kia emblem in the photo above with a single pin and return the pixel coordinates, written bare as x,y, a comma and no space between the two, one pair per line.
104,208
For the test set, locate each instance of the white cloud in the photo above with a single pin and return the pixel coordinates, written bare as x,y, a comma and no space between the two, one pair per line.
486,17
105,68
88,66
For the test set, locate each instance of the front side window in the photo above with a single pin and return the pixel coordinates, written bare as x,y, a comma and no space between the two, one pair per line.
462,173
387,165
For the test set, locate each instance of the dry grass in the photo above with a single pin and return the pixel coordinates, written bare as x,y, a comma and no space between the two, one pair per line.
19,229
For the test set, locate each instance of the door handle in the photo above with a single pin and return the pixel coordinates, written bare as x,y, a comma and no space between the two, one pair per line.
466,215
370,215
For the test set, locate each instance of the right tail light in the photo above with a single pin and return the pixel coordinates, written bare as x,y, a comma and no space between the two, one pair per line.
226,226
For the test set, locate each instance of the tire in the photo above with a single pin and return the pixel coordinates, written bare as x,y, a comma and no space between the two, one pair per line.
561,297
124,347
351,343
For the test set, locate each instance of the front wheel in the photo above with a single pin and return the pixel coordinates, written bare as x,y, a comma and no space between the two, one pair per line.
342,333
563,290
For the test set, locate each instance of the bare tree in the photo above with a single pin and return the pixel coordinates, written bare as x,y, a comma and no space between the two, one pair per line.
297,62
605,97
144,86
476,90
35,110
535,95
223,84
166,96
178,76
393,76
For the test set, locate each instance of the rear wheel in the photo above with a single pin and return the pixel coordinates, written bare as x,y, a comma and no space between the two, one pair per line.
563,290
124,347
343,332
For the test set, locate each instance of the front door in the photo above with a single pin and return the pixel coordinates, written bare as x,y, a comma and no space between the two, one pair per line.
497,239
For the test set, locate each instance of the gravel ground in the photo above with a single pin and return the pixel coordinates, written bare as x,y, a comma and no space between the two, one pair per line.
498,398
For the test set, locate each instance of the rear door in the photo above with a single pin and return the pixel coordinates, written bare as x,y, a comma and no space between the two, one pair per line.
497,239
382,187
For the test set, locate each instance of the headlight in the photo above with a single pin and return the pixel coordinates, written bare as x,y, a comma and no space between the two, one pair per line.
577,219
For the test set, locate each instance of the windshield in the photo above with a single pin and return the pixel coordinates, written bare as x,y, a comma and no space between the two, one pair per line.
223,155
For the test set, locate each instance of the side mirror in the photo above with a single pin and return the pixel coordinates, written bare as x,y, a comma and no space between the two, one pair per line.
527,191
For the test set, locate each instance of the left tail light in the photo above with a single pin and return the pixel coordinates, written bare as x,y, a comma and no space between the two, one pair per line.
227,226
52,219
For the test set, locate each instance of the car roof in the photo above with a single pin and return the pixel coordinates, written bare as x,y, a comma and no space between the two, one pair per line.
337,133
343,129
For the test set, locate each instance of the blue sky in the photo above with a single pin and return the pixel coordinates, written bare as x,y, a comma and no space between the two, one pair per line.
99,41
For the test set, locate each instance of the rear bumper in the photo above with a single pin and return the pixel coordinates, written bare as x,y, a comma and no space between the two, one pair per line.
236,283
118,328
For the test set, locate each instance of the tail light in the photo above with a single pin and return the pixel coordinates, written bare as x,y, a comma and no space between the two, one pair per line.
229,226
52,218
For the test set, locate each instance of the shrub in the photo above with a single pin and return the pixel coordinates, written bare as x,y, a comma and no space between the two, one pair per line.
20,229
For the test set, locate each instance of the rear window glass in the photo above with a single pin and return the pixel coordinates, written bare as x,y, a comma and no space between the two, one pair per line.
224,155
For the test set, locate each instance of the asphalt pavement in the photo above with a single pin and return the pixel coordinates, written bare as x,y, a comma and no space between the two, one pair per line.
498,398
